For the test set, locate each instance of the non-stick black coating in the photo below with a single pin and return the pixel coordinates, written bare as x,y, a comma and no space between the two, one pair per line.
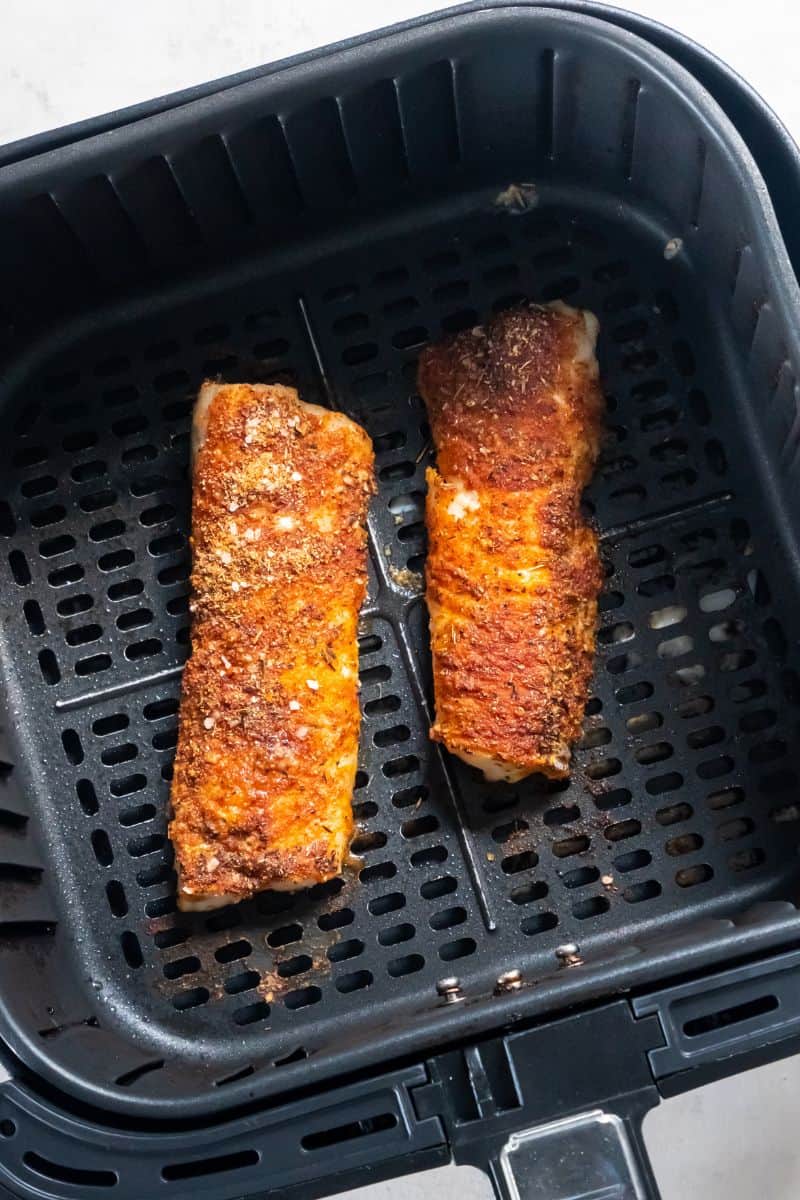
680,804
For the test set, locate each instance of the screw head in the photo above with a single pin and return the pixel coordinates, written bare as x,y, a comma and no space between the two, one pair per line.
508,981
569,954
450,989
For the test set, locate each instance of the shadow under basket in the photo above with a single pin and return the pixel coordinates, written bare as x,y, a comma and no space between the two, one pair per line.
318,226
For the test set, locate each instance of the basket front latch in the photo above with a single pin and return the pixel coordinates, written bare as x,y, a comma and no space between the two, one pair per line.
554,1112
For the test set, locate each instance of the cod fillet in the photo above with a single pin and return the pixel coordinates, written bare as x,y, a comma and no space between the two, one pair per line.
269,717
513,571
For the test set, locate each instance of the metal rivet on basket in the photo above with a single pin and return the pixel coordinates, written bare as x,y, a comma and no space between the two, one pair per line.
509,981
568,955
450,990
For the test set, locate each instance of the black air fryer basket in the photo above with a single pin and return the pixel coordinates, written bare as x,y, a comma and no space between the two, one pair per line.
516,973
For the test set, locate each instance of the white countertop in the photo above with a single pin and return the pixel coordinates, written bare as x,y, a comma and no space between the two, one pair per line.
64,62
737,1140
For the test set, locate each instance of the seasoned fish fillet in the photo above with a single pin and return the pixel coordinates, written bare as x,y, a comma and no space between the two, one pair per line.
266,757
513,571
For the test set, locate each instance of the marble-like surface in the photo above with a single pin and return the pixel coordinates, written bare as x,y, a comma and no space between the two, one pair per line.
63,62
736,1140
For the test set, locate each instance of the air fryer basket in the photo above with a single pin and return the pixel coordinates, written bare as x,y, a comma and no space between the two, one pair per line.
320,226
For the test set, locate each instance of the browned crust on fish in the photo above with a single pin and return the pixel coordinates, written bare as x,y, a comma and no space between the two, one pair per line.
513,570
269,717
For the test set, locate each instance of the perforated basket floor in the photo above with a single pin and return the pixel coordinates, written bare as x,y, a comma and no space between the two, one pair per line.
682,801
